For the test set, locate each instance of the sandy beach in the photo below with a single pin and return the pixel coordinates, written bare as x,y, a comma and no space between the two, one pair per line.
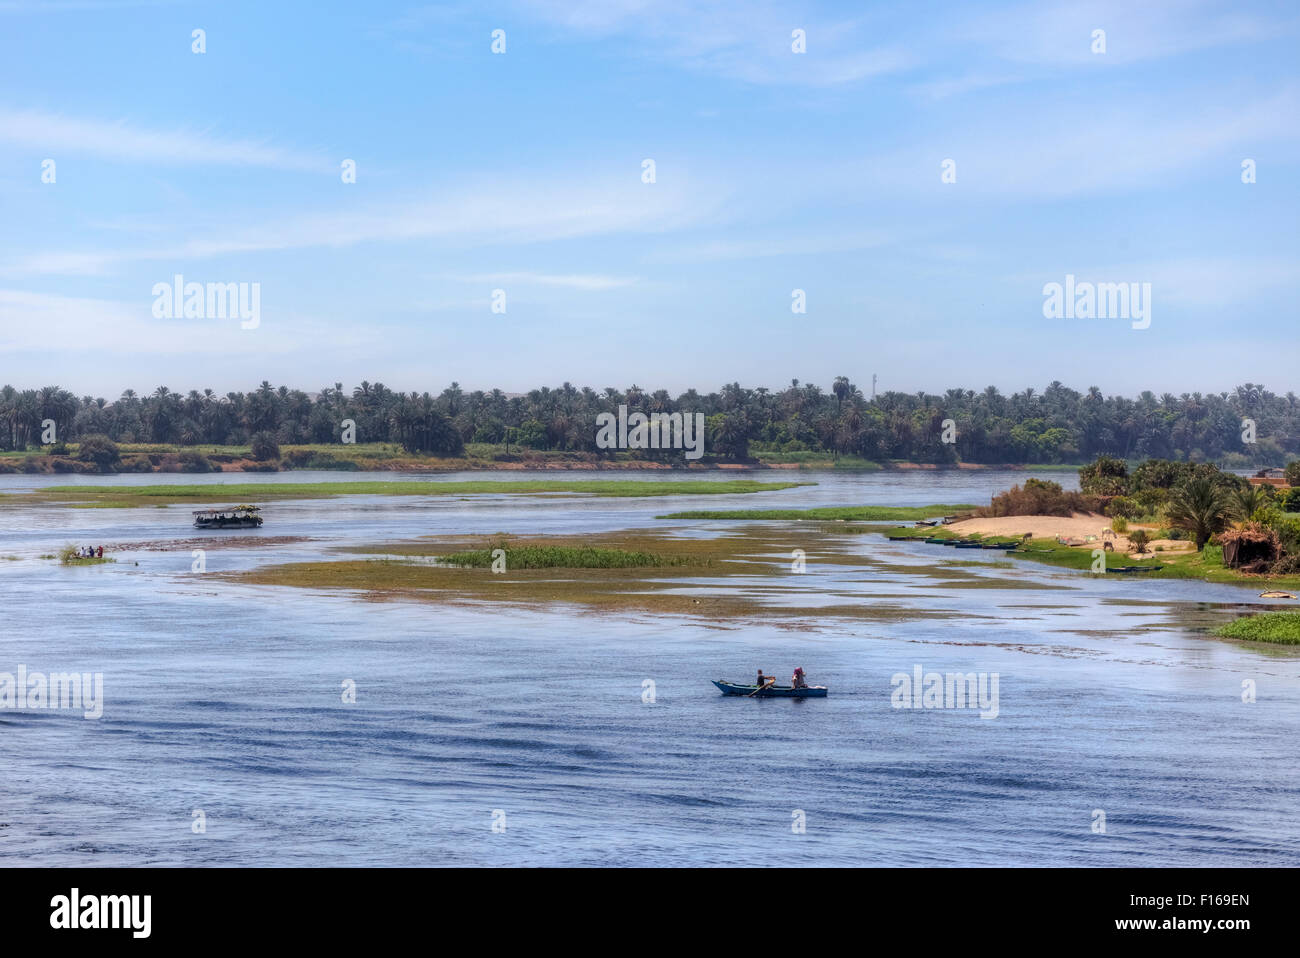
1080,526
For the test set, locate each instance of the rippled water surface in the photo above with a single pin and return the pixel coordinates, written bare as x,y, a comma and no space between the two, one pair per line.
226,698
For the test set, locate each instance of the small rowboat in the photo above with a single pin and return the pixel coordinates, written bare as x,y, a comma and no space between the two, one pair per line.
1276,594
1005,546
970,545
772,691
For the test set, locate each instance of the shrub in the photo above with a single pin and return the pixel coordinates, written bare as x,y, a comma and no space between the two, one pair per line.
101,451
1122,507
193,461
1119,524
1104,477
1039,497
263,447
1151,501
1293,473
1139,539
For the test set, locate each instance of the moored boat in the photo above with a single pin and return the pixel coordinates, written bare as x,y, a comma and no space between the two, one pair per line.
771,691
233,517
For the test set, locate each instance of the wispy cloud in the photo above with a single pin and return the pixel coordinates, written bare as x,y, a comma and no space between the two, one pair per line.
763,247
55,134
587,282
544,209
747,40
1061,34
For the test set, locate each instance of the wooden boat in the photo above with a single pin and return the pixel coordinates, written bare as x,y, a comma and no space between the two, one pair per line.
772,691
900,538
233,517
1276,594
936,541
1005,546
970,545
1125,569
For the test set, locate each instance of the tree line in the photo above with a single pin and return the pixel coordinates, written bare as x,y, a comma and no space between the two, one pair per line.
1056,425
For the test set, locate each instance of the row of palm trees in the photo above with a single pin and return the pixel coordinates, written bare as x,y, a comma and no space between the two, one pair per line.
1056,425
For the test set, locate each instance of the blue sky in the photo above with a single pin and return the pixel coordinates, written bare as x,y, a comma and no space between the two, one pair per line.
521,171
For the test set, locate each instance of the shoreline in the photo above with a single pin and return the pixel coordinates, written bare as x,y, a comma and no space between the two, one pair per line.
200,459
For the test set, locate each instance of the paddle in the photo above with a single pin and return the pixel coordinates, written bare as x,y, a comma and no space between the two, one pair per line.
770,682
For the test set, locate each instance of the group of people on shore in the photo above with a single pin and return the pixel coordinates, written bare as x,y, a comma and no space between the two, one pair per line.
90,552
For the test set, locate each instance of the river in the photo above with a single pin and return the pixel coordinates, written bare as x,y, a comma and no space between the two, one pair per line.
489,735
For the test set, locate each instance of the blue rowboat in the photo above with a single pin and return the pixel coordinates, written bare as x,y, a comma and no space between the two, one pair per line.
772,691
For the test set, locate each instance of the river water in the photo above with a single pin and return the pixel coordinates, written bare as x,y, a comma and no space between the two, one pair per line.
510,736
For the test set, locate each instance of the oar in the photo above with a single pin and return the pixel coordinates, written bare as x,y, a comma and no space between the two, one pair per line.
769,682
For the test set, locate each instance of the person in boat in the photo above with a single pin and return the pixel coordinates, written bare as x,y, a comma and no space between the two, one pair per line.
99,552
798,680
764,679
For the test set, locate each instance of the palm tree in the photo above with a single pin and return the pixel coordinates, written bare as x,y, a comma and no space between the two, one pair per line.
1243,502
1200,507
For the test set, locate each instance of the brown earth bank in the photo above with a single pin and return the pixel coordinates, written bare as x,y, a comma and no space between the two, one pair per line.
172,463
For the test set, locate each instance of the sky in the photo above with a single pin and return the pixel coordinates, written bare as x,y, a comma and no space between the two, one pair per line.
921,171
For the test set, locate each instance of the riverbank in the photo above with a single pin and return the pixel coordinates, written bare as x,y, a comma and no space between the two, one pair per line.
124,496
1037,540
390,457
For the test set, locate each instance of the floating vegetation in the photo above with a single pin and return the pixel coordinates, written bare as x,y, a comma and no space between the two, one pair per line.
1280,627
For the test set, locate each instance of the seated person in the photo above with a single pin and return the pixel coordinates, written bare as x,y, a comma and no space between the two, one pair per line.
797,680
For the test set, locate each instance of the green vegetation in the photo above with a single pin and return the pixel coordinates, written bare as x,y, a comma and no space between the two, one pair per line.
1039,497
693,577
1279,627
125,496
1199,507
101,451
560,557
68,556
834,513
1056,425
263,447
